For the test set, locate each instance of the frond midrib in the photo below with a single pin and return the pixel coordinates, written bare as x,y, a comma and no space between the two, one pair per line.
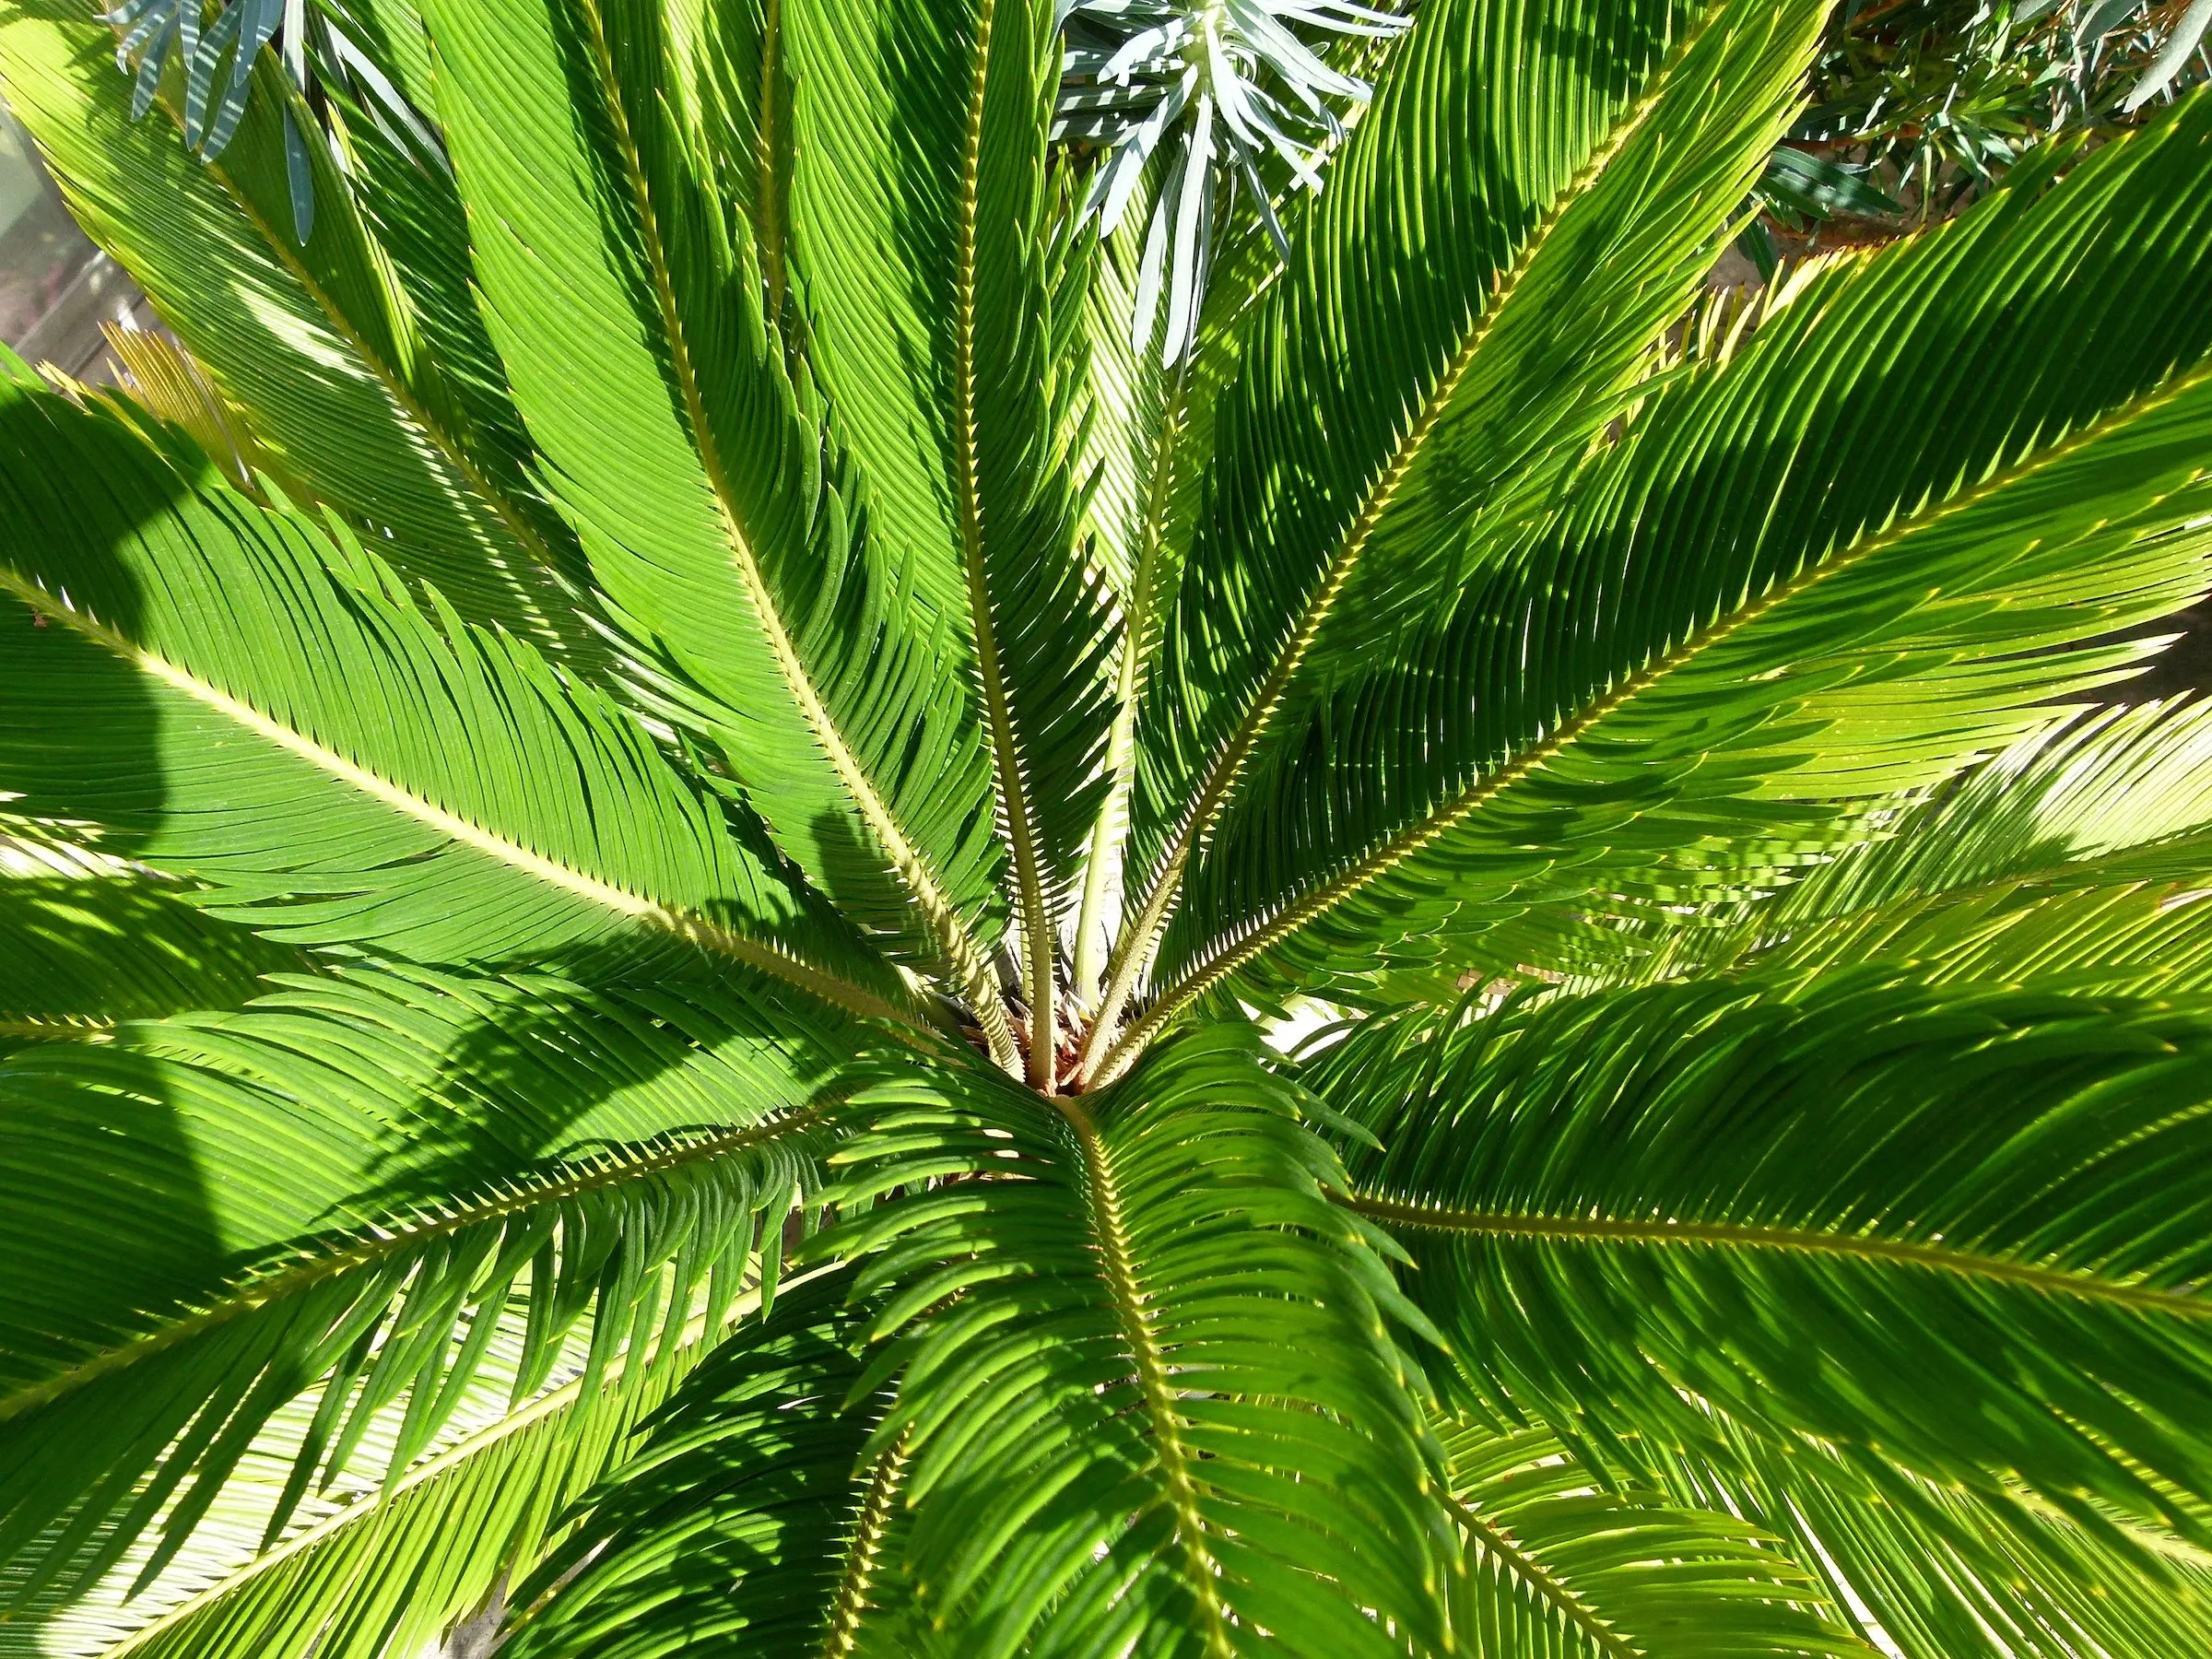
391,1240
886,1476
1131,950
1225,956
373,1502
57,1028
971,966
405,405
1953,1260
685,925
1172,1458
999,712
1525,1569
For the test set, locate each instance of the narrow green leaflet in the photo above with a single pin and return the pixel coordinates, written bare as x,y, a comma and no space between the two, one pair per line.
1533,197
1108,1452
85,951
1143,430
312,343
937,290
754,1516
237,698
1953,1574
1761,608
1561,1567
369,1567
1958,1230
630,319
340,1189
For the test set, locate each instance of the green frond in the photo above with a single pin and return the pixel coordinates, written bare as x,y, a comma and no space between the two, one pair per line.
2085,832
937,277
1520,214
385,1565
337,1192
1760,609
84,952
193,669
1558,1566
311,342
755,1513
1937,1572
2107,797
695,472
1143,1371
1952,1229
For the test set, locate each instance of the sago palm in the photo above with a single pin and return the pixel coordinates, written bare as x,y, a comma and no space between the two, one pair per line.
672,820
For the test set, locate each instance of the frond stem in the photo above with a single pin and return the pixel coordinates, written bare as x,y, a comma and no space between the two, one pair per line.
1525,1568
767,188
1941,1258
953,938
1133,951
999,712
1110,1230
866,1548
688,925
1211,968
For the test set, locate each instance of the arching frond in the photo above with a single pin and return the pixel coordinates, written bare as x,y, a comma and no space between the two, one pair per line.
1519,168
1143,1374
309,340
696,472
1951,1229
338,1190
1927,1567
937,280
373,1566
1761,608
195,669
1558,1565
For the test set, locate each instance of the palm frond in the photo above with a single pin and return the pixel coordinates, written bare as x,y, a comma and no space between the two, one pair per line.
1143,1376
2117,799
202,668
337,1192
1561,1567
311,342
938,280
696,473
1949,1228
1927,1569
1720,642
1416,365
383,1560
